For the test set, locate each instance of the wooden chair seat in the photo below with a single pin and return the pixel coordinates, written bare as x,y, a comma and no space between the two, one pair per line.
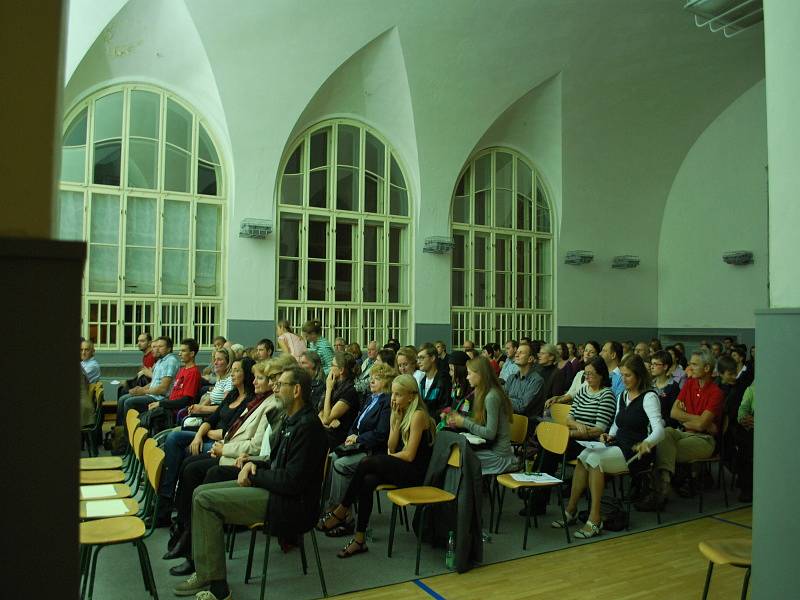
506,480
112,531
131,505
89,477
385,486
419,495
120,491
736,552
101,463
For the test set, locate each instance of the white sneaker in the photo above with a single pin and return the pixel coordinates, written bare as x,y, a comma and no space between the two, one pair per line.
206,595
190,587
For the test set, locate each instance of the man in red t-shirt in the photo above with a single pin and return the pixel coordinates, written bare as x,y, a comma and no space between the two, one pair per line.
698,409
187,380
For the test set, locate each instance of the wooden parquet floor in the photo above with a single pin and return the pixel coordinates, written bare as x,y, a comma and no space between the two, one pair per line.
662,563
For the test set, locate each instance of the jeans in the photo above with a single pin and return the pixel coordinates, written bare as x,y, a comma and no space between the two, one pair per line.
175,448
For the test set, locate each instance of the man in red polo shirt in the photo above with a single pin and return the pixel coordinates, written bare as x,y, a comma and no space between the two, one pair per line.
187,380
698,409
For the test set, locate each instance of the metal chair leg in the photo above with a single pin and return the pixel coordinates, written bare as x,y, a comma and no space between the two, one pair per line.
248,571
391,529
86,553
419,537
149,567
303,560
405,518
708,579
529,506
145,578
231,541
378,501
722,483
319,565
264,570
746,583
93,570
563,512
500,499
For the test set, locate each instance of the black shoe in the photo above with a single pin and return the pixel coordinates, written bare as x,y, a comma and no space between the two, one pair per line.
183,569
181,548
175,533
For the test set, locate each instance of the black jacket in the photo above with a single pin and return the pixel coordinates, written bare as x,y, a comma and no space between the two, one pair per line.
294,477
374,430
437,396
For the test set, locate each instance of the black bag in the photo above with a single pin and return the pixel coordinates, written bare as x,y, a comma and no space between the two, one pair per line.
349,449
612,514
156,420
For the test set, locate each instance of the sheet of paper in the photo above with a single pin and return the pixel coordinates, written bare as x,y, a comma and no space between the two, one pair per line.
105,508
535,478
89,492
473,439
591,445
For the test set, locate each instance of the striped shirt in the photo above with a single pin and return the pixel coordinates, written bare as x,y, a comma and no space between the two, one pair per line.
325,352
595,409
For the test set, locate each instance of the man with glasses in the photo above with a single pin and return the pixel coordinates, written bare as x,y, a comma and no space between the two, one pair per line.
362,381
284,493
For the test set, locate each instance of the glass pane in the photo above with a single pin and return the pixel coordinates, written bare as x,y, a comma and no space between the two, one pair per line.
524,211
462,189
319,149
482,208
75,135
503,171
523,256
374,155
205,273
144,114
318,189
108,117
396,288
348,146
524,291
395,245
480,251
344,282
317,239
176,170
370,283
524,179
295,161
502,291
398,201
179,126
483,168
373,193
175,272
458,288
107,161
288,280
397,175
205,147
316,281
73,163
140,222
543,259
140,270
207,235
479,290
143,163
292,189
344,241
105,219
544,293
70,215
461,209
346,188
207,177
176,224
502,248
504,208
372,242
459,251
103,268
542,211
290,237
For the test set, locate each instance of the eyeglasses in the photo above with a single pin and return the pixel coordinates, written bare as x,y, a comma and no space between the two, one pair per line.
273,376
656,364
280,384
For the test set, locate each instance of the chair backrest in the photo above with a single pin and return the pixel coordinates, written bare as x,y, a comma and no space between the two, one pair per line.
455,457
139,437
519,429
560,412
153,462
131,422
553,437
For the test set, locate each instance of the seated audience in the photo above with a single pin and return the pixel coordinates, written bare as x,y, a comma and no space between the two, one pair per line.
743,373
509,365
362,381
219,343
393,344
642,349
698,409
612,353
371,430
488,353
144,342
524,388
286,490
89,363
563,362
411,433
743,432
441,352
490,418
435,385
461,394
679,364
310,362
288,341
468,345
638,410
340,344
211,400
591,350
187,380
386,356
354,349
664,385
342,401
312,331
406,361
238,350
554,383
164,371
264,350
655,345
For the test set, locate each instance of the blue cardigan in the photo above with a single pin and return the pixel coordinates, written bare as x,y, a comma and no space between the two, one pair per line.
374,430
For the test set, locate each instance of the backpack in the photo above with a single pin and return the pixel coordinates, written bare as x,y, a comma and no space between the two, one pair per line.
612,514
156,420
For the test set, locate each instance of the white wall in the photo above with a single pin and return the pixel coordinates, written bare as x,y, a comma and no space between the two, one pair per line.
718,202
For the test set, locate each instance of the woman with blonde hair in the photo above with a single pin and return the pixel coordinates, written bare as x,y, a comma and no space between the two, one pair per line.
411,433
490,418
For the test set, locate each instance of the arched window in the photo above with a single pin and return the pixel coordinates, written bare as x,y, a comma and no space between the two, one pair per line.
141,182
502,281
344,234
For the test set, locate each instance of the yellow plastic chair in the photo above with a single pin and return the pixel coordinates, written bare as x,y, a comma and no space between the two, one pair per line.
560,412
734,552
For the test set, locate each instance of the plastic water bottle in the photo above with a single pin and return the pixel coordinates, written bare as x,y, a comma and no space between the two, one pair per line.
450,557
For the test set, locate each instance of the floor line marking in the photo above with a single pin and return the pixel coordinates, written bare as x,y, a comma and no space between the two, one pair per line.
732,522
428,590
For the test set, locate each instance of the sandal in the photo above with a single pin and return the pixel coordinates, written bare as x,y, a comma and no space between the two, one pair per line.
325,526
589,530
561,524
346,528
359,547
